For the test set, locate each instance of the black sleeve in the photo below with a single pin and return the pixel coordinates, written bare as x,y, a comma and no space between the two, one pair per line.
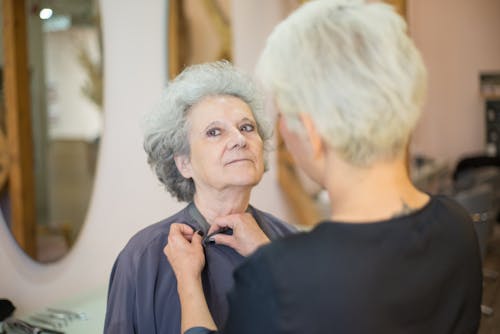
253,300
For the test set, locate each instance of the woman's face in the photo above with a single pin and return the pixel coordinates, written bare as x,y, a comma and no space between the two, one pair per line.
226,149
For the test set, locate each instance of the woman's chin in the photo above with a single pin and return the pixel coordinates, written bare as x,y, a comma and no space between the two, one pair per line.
244,181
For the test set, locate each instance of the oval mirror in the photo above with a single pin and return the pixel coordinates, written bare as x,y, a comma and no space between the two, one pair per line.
64,87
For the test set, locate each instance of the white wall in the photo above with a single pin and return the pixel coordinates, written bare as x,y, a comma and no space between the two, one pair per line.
458,39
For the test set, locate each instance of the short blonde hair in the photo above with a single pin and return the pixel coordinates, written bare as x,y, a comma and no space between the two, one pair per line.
354,69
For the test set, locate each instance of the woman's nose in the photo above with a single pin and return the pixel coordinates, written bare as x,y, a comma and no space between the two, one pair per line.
237,140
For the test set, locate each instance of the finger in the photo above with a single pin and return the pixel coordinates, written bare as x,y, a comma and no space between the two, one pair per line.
221,222
246,219
213,229
223,239
175,228
180,229
187,231
176,240
188,236
175,237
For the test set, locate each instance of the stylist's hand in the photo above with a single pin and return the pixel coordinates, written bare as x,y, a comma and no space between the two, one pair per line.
185,252
247,235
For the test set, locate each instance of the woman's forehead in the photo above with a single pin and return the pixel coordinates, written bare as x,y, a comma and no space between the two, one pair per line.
220,107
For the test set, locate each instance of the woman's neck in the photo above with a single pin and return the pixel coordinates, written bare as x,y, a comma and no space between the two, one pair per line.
212,204
379,192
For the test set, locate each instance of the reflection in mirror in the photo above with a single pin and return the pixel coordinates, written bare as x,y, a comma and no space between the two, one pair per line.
199,31
65,80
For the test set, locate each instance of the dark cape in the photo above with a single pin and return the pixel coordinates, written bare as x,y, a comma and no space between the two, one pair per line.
142,295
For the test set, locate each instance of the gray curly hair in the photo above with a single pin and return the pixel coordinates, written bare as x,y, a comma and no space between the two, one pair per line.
166,128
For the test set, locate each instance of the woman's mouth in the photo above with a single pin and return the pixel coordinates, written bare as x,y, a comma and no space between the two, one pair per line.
238,161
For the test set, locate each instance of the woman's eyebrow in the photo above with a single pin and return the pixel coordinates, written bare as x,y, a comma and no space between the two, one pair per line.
246,119
212,124
220,123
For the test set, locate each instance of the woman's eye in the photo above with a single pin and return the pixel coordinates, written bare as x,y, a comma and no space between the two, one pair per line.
213,132
247,127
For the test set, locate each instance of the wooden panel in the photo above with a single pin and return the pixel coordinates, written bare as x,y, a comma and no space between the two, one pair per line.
4,160
174,59
303,206
185,20
18,124
400,6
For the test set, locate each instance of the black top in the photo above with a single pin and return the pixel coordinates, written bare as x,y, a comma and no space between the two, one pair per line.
142,296
419,273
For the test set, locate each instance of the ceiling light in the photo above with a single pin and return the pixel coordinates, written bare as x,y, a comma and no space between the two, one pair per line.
46,13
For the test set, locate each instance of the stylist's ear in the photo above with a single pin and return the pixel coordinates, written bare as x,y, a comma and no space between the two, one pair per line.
313,136
183,165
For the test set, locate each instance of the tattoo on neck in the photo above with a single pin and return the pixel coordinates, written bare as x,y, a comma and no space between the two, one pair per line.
405,210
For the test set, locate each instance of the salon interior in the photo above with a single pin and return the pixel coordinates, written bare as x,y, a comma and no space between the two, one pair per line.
95,67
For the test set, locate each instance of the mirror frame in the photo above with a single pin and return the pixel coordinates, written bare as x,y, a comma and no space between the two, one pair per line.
19,150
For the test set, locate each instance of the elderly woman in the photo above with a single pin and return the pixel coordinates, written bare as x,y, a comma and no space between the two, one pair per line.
206,144
349,84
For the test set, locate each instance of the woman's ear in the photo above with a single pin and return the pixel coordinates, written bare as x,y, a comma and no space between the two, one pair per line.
313,136
183,165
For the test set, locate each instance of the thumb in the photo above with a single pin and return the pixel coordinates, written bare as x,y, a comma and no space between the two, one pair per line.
197,238
218,224
213,228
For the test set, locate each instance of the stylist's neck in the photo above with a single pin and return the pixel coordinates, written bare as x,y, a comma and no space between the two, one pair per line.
216,203
368,194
